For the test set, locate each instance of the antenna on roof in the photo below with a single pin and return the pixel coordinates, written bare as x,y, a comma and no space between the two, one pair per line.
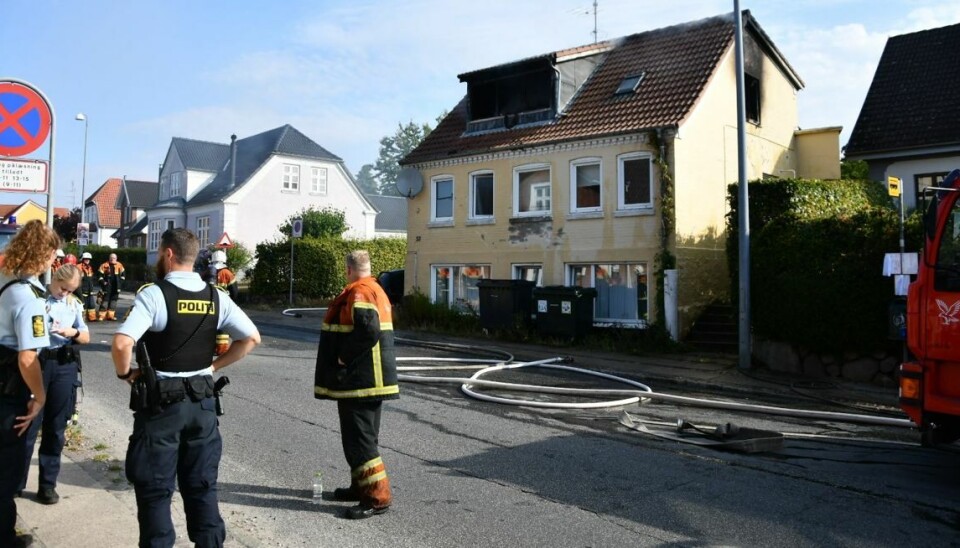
594,21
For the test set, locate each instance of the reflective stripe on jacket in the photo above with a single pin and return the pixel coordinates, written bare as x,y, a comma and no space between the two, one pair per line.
358,332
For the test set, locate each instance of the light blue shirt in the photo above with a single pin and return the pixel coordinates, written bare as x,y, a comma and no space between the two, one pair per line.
149,313
24,323
65,313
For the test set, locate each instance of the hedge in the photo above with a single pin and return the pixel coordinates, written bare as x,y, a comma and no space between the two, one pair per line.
318,264
133,259
816,255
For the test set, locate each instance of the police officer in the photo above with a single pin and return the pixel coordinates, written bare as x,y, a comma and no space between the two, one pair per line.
61,374
178,318
23,331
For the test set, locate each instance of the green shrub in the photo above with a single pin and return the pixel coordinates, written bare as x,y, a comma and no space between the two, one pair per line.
318,268
133,259
816,255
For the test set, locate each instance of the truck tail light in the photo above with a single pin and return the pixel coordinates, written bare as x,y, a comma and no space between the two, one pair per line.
911,383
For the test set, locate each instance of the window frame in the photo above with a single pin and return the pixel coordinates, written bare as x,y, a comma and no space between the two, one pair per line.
203,232
315,180
574,165
290,179
621,190
472,177
433,197
153,236
516,270
176,178
456,285
527,168
643,317
753,95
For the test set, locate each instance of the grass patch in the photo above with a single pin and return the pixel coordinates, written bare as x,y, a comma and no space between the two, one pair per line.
73,437
101,457
100,447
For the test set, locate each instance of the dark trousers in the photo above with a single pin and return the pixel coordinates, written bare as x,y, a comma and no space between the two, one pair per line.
180,443
360,430
60,383
11,465
109,301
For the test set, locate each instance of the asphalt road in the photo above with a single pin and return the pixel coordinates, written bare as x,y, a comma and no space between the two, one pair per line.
466,472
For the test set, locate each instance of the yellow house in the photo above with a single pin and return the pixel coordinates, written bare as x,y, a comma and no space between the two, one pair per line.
28,211
602,165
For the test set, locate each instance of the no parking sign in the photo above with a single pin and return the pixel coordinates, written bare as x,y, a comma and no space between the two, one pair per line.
24,119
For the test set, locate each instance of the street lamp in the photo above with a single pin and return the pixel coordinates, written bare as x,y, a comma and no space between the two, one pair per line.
83,182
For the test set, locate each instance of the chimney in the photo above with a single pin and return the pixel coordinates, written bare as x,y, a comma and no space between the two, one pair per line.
233,162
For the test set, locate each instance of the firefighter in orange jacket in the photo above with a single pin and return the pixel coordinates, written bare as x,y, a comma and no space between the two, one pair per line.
111,276
356,366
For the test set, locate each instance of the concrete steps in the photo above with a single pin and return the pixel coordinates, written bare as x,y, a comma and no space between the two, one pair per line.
716,329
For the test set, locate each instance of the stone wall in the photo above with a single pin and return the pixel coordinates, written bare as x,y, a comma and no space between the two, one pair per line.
879,368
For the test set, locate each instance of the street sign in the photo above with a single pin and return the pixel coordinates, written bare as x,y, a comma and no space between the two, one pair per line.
83,233
23,175
224,241
893,186
297,228
24,119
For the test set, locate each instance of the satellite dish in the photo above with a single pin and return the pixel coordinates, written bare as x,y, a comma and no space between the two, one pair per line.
409,182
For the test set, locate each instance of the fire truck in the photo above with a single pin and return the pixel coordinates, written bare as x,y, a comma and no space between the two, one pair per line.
930,382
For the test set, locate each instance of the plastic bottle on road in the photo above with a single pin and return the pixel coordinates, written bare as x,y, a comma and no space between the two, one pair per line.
317,488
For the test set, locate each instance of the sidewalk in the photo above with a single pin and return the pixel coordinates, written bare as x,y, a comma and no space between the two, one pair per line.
92,513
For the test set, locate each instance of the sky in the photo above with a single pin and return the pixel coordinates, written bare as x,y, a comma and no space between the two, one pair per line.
347,72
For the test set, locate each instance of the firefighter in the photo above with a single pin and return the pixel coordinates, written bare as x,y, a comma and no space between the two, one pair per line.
178,440
58,262
88,286
111,276
225,278
357,368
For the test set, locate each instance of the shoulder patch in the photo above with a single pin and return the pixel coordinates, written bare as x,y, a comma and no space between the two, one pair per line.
39,326
144,286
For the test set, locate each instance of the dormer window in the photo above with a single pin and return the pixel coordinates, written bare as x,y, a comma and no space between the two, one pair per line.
629,84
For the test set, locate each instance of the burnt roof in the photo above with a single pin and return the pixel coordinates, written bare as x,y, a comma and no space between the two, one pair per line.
677,63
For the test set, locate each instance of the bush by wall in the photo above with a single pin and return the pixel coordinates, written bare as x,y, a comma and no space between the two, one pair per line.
318,265
816,254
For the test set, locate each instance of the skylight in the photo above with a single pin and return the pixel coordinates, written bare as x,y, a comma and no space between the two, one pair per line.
629,84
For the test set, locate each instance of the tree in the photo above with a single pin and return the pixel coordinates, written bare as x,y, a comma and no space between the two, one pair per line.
318,223
366,181
66,227
855,169
392,149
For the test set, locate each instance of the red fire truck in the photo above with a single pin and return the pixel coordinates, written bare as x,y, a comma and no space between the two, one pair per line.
930,383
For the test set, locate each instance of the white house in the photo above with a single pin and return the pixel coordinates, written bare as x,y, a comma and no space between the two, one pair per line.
248,188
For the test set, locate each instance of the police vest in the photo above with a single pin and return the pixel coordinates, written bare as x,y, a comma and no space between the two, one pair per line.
188,341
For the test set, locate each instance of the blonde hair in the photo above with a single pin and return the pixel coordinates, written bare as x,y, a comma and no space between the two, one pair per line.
359,260
66,273
28,253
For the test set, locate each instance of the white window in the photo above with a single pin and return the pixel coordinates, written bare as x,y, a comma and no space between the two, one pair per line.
585,185
634,181
441,204
481,195
164,187
153,236
171,224
176,183
318,180
621,291
291,177
529,272
456,285
203,231
531,190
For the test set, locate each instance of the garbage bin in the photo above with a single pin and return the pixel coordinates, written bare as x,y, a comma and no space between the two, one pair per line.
505,304
562,311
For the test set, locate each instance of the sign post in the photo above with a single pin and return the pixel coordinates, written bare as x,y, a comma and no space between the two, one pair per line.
27,119
296,231
83,235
